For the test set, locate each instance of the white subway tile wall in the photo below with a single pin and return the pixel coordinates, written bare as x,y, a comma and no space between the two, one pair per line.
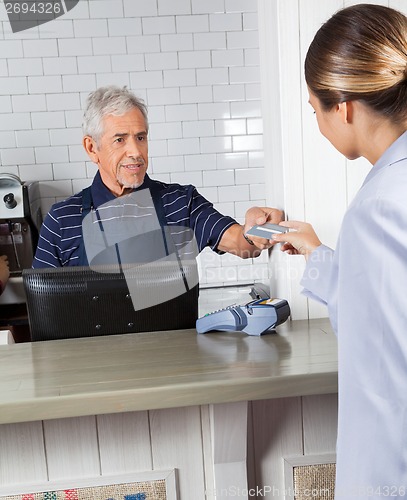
196,64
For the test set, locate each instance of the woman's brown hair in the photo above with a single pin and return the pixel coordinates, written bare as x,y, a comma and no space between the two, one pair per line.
360,53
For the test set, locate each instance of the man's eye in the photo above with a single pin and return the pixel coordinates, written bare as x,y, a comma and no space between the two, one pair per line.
141,138
119,139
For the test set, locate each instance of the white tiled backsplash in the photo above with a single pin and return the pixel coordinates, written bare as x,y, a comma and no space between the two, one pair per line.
194,62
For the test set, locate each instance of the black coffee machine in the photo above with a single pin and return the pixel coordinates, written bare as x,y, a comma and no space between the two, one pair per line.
20,221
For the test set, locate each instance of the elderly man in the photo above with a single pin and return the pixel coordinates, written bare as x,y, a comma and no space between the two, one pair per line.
115,130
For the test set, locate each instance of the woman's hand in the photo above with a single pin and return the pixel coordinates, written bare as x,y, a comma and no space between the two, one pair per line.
302,241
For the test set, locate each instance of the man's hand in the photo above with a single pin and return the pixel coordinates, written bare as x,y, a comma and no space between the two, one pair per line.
302,241
233,240
261,215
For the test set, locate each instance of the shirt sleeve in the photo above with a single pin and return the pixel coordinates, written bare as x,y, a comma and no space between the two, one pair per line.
48,253
208,224
316,279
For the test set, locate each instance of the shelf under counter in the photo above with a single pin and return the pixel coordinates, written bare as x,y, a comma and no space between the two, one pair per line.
154,370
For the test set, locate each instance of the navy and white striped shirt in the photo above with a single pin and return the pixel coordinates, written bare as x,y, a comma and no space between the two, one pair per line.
61,233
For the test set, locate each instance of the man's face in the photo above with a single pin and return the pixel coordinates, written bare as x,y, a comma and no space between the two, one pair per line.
122,151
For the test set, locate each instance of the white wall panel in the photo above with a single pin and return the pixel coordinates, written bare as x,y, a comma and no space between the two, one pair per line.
177,443
399,5
324,168
320,420
277,433
22,454
282,116
72,448
124,442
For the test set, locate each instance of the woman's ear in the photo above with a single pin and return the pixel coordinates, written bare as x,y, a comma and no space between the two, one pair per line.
91,148
345,110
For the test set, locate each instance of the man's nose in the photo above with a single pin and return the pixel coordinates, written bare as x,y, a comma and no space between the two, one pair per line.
134,147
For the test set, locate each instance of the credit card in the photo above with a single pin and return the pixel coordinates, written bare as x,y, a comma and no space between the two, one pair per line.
266,230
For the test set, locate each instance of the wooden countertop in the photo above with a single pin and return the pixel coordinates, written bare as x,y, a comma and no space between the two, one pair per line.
76,377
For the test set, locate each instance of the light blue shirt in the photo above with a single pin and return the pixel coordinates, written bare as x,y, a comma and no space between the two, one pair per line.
364,284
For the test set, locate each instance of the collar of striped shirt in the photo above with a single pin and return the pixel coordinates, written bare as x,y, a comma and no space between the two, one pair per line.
101,194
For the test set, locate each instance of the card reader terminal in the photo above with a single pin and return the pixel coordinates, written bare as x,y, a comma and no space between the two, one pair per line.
254,318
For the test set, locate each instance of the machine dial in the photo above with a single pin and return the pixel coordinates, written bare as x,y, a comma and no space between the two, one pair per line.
10,201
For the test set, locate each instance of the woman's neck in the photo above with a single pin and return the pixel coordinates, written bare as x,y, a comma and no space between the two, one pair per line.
377,134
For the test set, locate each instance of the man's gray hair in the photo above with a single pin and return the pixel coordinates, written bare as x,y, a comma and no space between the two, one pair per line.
109,100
